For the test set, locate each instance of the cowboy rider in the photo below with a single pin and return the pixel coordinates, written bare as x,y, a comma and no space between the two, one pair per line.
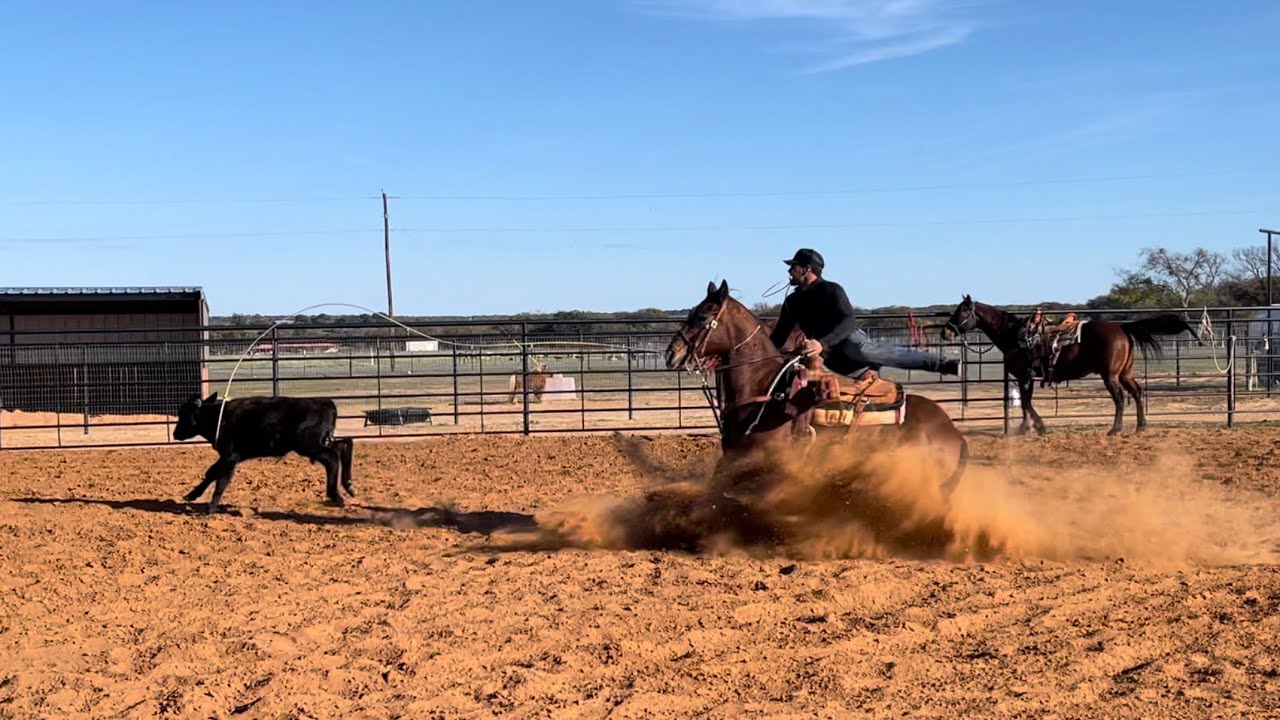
822,310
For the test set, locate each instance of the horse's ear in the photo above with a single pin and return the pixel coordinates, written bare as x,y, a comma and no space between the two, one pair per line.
724,290
194,400
212,398
967,298
711,288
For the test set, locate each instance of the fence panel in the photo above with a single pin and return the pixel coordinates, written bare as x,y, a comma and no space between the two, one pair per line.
575,377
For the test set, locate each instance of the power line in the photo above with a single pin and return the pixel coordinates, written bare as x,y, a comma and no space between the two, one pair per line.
824,226
828,192
256,234
269,234
810,192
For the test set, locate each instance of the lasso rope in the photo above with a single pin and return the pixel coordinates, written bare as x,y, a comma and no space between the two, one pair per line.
289,318
1206,330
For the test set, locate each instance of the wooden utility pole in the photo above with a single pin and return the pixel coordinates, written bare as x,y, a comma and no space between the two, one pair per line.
386,246
386,249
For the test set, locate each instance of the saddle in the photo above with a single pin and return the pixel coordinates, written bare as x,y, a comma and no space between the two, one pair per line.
836,401
1045,341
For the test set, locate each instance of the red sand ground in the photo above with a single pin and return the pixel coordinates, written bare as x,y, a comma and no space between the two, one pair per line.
1138,579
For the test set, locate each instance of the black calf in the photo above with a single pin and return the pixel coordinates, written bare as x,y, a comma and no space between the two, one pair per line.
257,427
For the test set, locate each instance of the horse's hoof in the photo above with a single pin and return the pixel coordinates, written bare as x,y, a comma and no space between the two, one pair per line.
190,497
350,492
337,500
1113,432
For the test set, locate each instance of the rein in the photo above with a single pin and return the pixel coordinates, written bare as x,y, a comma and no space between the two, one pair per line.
697,362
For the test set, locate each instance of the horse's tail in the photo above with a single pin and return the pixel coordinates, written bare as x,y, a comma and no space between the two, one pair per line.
1143,332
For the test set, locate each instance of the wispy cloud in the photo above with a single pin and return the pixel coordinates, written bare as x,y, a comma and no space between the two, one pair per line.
1137,117
851,32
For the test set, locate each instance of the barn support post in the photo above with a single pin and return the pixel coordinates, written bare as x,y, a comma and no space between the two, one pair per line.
631,402
524,360
84,384
275,363
455,384
60,400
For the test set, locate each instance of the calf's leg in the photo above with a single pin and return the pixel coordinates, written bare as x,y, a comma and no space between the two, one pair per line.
222,470
210,476
331,458
346,447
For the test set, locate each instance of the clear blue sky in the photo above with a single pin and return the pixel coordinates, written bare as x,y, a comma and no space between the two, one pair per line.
617,154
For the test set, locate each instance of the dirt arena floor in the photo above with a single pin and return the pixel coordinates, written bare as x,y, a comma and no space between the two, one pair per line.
1130,577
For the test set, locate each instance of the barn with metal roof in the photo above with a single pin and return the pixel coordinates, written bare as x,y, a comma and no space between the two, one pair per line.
101,350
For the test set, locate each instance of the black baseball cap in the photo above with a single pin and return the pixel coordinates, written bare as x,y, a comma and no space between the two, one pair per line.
808,258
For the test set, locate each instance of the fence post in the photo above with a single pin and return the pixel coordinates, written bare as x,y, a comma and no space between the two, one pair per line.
524,359
630,386
582,386
1177,363
480,372
1006,403
679,399
455,385
964,378
377,373
275,362
1231,376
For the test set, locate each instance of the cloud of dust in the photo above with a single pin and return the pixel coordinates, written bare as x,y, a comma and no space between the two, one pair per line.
841,506
1161,514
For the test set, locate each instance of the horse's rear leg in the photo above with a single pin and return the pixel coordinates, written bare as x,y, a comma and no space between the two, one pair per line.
1130,383
1117,396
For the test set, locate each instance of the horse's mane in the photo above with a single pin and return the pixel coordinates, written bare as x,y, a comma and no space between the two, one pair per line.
766,325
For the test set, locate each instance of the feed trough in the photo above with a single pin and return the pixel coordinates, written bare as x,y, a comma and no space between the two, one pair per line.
397,416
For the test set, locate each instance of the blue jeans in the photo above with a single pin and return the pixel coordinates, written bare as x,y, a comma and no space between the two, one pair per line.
857,353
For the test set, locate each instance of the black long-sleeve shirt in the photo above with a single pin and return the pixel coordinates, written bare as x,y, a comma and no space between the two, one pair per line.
822,311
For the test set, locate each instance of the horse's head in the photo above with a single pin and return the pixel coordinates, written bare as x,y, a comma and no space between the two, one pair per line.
962,320
703,336
188,424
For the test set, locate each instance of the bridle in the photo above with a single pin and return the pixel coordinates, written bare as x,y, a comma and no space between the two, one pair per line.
961,334
696,360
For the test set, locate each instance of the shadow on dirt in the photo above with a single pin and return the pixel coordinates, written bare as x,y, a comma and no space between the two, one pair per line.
482,522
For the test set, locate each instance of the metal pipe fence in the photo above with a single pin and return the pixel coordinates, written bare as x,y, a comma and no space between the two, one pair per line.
599,376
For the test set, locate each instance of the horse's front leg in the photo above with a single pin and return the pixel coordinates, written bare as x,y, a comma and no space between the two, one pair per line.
1028,388
1024,403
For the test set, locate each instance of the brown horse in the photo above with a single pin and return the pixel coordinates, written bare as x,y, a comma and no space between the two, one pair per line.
755,414
537,383
1104,348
